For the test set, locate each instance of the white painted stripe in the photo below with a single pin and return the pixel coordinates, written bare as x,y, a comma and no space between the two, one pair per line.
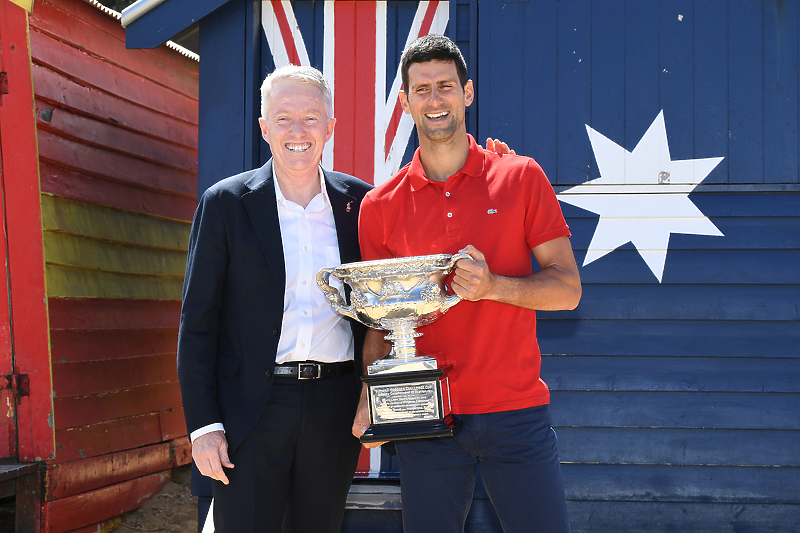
328,70
381,123
394,157
375,460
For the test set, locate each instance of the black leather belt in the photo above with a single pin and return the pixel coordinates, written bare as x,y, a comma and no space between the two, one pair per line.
313,370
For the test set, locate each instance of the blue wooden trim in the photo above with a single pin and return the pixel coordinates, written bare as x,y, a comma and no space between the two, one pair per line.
702,338
672,374
653,517
663,483
167,20
222,90
656,409
252,84
678,446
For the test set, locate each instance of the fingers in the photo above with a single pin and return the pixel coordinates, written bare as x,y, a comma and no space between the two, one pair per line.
374,444
472,279
210,454
361,422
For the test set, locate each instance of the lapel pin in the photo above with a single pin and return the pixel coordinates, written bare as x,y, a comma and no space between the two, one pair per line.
348,207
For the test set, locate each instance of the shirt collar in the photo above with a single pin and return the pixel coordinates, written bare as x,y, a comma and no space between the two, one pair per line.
281,199
473,166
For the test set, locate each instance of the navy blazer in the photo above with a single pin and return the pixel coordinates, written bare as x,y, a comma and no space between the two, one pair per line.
233,296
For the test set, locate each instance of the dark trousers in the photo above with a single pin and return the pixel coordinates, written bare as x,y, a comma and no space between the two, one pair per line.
518,457
292,473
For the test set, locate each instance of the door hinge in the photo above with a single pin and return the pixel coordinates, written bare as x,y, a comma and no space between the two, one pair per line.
20,384
3,85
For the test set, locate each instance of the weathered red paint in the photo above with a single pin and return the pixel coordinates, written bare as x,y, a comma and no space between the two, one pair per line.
71,513
8,444
53,87
62,57
76,477
78,345
110,136
24,239
92,377
98,34
121,167
67,183
117,314
108,437
95,408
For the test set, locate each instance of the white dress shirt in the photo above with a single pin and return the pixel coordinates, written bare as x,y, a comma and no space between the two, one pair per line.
311,330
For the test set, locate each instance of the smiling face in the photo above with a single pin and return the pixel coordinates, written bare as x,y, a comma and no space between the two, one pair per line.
296,127
436,100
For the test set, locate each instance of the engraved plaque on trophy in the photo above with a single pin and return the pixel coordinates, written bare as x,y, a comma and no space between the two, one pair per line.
408,398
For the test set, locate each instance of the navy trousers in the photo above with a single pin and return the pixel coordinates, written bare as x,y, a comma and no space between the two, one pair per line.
518,457
292,473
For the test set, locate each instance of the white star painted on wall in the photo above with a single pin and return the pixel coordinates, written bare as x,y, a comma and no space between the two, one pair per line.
642,196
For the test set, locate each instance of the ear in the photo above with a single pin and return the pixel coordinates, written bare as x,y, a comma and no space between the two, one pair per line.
263,125
404,102
469,93
329,133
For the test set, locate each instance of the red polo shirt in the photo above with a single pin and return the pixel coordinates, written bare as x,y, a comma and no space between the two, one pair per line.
505,207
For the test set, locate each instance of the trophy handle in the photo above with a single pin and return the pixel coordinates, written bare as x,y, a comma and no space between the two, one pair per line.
334,297
453,299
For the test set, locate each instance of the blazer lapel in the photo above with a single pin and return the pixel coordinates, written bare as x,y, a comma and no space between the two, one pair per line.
262,209
345,216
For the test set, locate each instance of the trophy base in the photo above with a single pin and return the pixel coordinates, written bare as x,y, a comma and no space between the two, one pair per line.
426,429
409,405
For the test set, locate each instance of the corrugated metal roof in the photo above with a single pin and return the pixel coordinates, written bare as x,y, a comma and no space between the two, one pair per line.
136,10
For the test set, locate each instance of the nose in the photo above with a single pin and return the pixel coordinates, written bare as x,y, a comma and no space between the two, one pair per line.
435,96
297,127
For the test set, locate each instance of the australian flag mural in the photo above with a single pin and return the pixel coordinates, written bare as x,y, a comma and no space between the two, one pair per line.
671,133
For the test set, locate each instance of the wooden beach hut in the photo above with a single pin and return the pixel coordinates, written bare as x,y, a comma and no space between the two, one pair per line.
671,133
98,169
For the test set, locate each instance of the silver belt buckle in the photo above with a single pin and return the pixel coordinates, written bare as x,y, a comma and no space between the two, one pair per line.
316,374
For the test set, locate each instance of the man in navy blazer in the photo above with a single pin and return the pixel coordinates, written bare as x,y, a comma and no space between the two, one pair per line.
268,372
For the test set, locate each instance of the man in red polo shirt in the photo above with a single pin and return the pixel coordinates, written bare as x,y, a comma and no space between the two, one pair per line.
455,196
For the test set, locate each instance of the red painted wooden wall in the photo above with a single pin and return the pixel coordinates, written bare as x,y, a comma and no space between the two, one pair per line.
97,220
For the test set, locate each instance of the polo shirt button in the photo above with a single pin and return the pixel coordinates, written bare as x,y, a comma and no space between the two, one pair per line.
447,193
269,374
449,215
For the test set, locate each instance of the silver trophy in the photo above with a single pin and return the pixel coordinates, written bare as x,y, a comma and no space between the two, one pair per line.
405,393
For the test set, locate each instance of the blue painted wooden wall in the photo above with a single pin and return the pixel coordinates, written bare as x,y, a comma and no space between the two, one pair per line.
676,402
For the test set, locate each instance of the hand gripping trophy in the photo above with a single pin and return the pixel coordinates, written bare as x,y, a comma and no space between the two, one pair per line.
405,393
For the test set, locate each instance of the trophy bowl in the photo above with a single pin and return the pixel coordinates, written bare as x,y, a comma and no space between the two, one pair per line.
398,295
407,399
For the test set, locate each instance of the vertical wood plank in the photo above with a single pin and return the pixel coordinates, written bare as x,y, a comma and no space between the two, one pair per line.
642,84
8,445
746,90
222,110
608,73
574,80
541,86
24,240
781,109
676,75
711,96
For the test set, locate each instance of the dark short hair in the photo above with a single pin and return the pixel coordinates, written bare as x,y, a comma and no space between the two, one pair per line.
432,48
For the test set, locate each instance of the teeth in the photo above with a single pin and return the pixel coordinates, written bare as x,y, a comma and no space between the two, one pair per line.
436,115
298,147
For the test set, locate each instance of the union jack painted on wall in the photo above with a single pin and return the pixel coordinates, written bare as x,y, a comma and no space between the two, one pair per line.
355,63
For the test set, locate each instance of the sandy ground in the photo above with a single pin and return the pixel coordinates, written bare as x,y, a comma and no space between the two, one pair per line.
174,509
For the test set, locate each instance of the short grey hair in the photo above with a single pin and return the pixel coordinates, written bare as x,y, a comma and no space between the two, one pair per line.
301,74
